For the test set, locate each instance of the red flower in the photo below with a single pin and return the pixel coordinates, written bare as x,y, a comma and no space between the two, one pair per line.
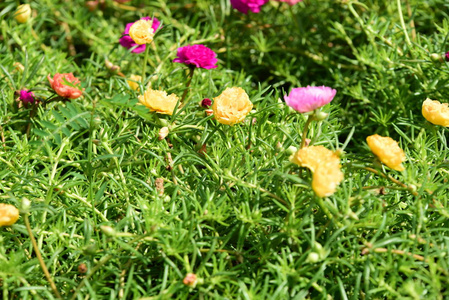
66,85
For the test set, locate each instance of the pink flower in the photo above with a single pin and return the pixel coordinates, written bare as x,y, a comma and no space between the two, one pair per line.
245,5
198,55
290,2
127,42
26,96
66,85
305,99
447,56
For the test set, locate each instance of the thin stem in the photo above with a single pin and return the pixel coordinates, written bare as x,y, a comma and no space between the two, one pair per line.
410,189
305,130
412,22
401,18
39,256
145,60
192,69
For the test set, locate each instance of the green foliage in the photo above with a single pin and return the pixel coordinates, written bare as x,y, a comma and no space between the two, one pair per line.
233,210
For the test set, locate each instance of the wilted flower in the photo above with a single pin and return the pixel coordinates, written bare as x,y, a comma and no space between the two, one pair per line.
9,214
134,81
142,32
66,85
199,56
327,177
190,280
26,96
232,106
387,150
447,56
290,2
245,5
311,157
23,13
127,42
435,112
306,99
159,101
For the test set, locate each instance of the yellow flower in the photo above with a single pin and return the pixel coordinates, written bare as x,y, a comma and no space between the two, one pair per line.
435,112
134,82
324,164
23,13
159,101
327,177
311,157
387,150
142,32
232,106
9,214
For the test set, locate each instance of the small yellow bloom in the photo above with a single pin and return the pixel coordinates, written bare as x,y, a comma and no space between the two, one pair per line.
324,164
232,106
23,13
9,214
435,112
311,157
142,32
327,177
159,101
387,150
134,82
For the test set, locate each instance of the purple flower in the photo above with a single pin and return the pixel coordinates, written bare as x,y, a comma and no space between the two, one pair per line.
26,96
306,99
198,55
447,56
127,42
245,5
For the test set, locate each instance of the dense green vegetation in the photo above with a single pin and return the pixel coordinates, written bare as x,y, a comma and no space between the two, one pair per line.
120,214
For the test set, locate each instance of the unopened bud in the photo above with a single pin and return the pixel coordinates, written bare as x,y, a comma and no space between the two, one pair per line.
290,150
163,132
435,57
108,230
320,115
190,280
111,66
209,112
23,13
26,204
206,103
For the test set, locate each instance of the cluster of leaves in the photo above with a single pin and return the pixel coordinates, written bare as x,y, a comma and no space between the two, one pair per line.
232,210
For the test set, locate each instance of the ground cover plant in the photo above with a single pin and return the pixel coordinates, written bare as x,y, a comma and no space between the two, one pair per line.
229,149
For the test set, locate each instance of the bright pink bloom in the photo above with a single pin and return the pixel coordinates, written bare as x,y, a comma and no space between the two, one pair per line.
127,42
447,56
26,96
198,55
305,99
66,85
245,5
290,2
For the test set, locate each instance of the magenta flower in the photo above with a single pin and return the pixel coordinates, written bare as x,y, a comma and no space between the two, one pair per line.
127,42
244,5
26,96
447,56
290,2
306,99
197,55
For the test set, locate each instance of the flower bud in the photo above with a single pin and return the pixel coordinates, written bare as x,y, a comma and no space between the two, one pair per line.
108,230
26,204
313,257
320,115
163,132
190,280
290,150
435,57
23,13
206,103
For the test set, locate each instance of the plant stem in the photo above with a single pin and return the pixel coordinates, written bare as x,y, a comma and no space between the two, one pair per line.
305,130
39,257
401,18
145,60
410,189
192,69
